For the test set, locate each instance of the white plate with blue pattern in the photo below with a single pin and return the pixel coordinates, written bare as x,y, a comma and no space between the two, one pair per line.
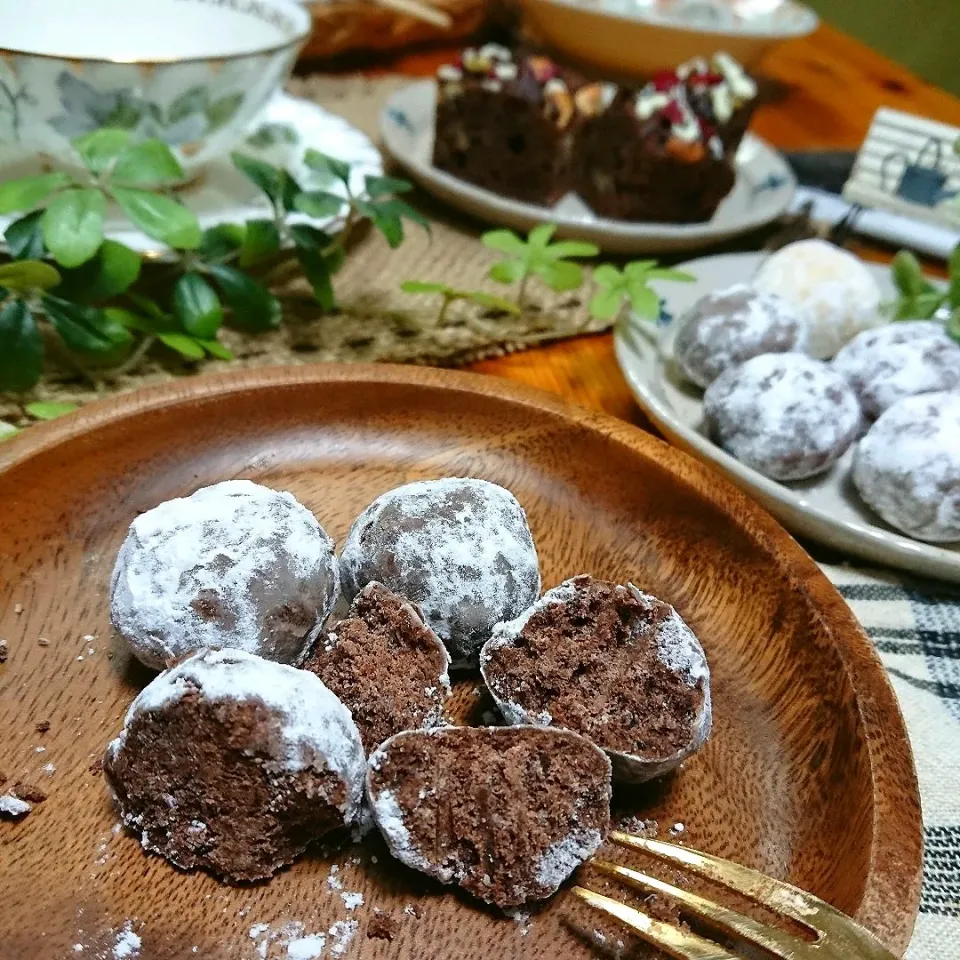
763,190
826,508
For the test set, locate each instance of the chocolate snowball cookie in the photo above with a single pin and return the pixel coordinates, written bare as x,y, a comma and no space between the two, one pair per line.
907,467
458,548
729,326
784,414
506,813
234,764
386,665
899,360
610,662
234,565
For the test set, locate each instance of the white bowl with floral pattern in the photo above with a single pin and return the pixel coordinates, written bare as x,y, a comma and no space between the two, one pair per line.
194,73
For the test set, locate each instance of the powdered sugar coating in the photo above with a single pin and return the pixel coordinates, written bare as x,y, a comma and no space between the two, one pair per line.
234,565
786,415
830,287
565,856
460,549
728,326
316,731
907,467
899,360
677,647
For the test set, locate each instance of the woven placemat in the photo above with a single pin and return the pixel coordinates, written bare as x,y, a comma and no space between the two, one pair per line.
378,322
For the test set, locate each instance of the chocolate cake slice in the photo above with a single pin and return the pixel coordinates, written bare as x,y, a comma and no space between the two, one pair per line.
386,665
647,156
234,764
503,123
506,813
614,664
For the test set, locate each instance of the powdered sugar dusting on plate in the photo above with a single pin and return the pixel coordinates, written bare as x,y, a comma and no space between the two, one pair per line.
316,729
227,541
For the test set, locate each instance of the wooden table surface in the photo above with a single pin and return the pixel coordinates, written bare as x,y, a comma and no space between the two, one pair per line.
831,86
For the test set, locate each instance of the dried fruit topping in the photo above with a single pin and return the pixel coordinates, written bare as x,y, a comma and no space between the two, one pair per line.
593,98
543,69
558,104
665,80
686,151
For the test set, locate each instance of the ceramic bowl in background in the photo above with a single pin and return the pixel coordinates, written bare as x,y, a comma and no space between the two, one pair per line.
637,38
195,73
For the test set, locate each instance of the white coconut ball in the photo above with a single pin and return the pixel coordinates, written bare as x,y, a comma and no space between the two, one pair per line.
831,287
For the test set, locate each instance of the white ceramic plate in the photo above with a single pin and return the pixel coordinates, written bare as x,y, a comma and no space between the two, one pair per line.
826,508
763,190
221,194
639,37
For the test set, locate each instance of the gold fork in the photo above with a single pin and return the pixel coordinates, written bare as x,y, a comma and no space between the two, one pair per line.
837,936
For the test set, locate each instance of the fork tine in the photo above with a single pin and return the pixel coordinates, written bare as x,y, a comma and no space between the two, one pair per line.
678,943
778,942
779,896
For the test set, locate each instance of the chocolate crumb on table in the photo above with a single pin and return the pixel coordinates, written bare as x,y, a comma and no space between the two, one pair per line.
96,768
382,926
43,726
28,792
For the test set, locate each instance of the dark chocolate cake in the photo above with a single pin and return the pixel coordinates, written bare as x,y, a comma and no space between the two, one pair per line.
234,764
386,665
503,123
648,156
616,665
721,93
506,813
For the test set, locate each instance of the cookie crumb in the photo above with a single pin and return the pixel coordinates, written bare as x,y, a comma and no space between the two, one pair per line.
29,792
382,926
43,726
4,651
18,609
43,641
96,768
49,769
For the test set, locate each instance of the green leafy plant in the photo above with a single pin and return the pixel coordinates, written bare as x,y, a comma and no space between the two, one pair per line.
40,410
536,256
67,277
451,295
631,285
921,299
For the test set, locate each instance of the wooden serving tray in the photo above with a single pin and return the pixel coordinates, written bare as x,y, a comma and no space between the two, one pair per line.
808,775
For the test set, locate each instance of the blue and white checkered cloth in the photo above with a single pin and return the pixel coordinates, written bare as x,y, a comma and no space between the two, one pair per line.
915,626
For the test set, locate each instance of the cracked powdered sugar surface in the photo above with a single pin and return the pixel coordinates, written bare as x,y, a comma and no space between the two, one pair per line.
460,548
226,541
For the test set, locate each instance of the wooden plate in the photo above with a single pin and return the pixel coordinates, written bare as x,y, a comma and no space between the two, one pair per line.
808,776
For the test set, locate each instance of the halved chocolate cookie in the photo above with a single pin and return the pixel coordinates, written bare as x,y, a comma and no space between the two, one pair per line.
610,662
386,665
506,813
234,764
